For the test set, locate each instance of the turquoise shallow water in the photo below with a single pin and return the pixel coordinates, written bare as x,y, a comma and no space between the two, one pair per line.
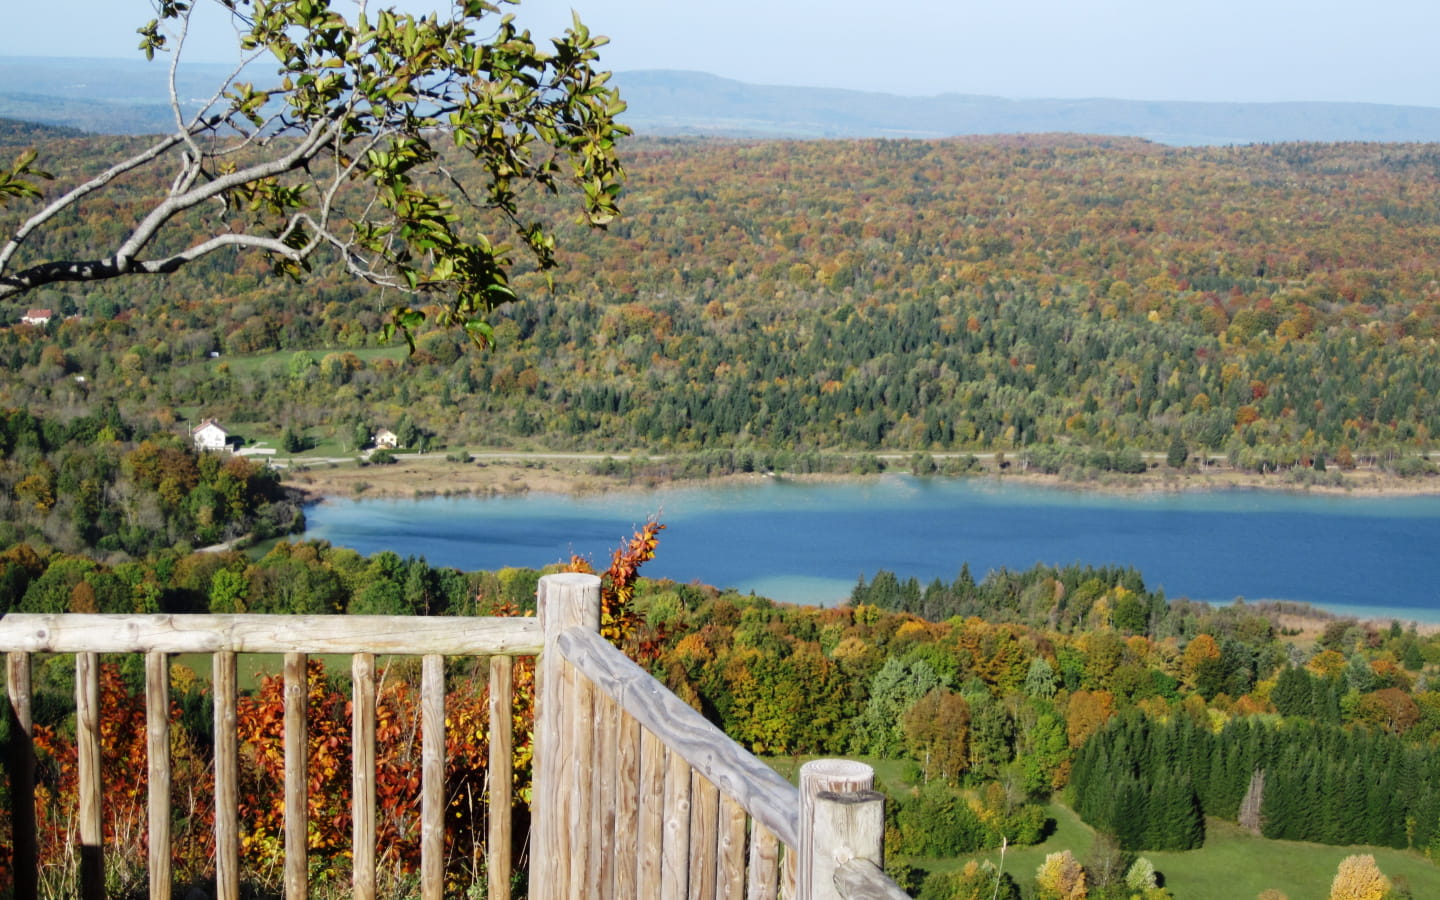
808,542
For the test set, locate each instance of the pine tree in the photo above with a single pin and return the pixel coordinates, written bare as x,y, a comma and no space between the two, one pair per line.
1178,452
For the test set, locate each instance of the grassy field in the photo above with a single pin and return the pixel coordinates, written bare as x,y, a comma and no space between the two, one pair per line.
279,361
1233,864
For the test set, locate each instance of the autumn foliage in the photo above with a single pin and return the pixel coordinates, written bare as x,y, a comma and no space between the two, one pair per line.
619,623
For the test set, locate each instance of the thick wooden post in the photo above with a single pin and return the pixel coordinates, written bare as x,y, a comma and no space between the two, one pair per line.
566,600
297,783
227,779
819,841
25,857
157,744
362,776
87,746
853,826
432,777
498,855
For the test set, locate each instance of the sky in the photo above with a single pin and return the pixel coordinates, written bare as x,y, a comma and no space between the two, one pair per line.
1377,51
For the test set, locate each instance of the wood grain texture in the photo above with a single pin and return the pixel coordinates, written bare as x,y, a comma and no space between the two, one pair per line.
602,785
227,784
730,876
815,867
502,744
861,878
762,876
627,806
20,761
650,835
675,854
413,635
87,745
704,837
580,696
297,806
157,751
362,775
848,827
759,790
432,777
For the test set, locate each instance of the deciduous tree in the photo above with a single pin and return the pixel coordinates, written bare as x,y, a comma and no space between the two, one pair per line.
343,152
1358,878
1060,877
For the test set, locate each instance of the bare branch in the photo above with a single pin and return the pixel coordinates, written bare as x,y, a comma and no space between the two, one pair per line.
74,196
166,209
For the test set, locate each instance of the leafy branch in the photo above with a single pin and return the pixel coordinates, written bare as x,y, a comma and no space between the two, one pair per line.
341,156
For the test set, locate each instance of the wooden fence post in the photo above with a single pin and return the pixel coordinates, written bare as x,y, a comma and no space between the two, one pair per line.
25,855
87,752
157,755
566,600
297,780
227,778
831,833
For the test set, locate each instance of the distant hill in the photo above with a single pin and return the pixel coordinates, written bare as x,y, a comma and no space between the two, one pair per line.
106,96
131,97
15,133
668,102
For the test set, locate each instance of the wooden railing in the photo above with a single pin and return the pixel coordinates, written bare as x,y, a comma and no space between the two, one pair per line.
635,794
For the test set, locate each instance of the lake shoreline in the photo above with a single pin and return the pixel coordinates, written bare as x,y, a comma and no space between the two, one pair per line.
414,477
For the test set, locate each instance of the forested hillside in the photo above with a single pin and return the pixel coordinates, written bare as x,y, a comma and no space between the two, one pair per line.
1056,295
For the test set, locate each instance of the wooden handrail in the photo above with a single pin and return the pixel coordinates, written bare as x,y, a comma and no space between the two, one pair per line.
380,635
862,878
756,787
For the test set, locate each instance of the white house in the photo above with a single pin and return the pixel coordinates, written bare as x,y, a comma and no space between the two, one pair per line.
209,436
36,317
386,439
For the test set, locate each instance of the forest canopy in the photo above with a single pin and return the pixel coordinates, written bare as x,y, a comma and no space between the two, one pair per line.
1071,302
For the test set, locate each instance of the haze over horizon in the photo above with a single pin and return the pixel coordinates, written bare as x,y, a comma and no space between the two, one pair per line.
1218,51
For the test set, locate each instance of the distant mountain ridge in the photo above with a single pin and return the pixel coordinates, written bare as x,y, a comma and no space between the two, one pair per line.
129,97
672,102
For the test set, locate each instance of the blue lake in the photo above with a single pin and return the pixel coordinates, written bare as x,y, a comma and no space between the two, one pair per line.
808,542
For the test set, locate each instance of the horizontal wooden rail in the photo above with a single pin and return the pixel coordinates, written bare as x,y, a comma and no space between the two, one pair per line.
757,788
410,635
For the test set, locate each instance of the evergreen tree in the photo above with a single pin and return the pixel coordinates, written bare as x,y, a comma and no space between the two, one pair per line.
1178,453
1293,694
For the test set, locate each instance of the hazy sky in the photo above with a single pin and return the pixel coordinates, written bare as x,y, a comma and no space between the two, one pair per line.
1259,50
